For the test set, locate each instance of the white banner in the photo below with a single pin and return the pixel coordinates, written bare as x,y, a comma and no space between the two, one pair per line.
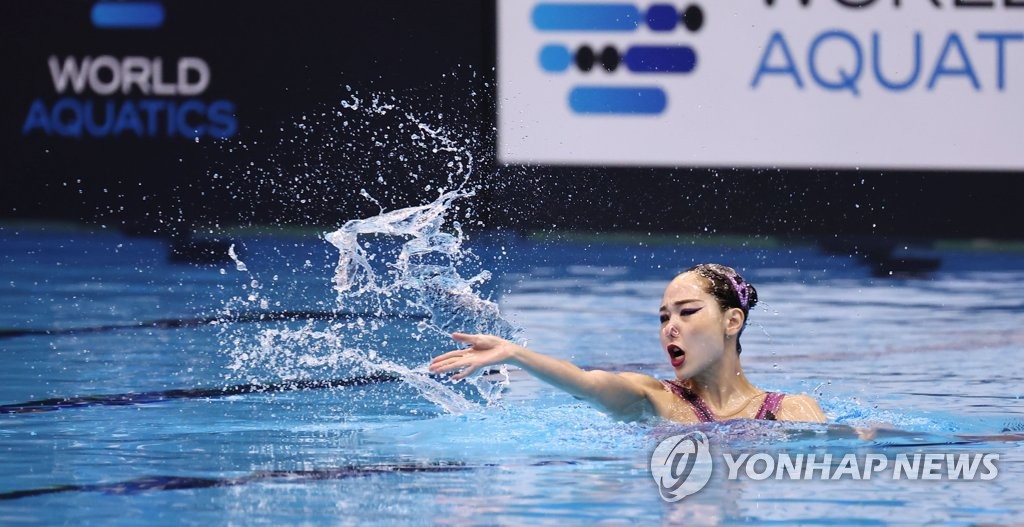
884,84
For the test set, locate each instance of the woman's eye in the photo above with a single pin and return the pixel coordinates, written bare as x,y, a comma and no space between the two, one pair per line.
688,312
664,318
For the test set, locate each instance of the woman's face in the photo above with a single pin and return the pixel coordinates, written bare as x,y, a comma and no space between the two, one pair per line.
693,326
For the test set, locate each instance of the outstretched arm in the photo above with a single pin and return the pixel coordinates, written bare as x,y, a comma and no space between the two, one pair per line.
622,396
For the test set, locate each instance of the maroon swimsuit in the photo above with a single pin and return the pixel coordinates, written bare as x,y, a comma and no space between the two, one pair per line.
769,408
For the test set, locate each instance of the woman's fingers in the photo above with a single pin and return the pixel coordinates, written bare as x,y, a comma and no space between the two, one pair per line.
451,360
459,359
466,372
449,355
436,362
465,338
443,363
443,367
478,342
455,363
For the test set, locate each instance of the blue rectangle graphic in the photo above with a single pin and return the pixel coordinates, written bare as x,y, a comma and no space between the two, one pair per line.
128,15
618,100
660,59
586,17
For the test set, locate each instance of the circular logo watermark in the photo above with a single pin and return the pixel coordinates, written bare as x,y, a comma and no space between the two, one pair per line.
681,465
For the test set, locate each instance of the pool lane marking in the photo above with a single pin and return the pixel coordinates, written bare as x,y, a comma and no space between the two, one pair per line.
138,398
158,483
175,323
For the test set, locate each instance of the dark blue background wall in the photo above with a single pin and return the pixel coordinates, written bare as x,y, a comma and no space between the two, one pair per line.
274,61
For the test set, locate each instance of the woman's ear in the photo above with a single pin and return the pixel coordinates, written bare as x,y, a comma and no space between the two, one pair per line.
734,319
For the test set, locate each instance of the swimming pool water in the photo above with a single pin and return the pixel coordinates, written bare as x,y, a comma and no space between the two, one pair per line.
933,359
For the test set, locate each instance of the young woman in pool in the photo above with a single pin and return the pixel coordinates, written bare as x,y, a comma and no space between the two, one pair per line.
703,313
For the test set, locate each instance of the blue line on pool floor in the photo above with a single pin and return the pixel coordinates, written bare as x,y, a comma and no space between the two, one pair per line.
157,483
174,323
136,398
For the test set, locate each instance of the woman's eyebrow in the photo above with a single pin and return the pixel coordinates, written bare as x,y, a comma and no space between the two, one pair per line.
679,303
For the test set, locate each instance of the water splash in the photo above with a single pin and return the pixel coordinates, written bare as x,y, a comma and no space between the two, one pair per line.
423,275
308,353
239,264
400,284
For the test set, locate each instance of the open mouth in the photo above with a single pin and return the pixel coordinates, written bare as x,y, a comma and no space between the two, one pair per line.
676,354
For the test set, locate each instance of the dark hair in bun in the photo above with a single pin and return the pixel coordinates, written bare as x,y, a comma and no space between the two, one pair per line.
728,288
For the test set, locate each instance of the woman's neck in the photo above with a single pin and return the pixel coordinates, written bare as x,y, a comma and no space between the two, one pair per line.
723,386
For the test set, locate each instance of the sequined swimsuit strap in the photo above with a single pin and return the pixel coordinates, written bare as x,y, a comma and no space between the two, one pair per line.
770,407
699,406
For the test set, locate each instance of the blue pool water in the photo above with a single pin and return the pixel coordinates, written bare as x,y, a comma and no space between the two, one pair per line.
934,361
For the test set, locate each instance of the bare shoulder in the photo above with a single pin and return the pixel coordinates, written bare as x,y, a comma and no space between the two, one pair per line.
643,381
663,402
801,407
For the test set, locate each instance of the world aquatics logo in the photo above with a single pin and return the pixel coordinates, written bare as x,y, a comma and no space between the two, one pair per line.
138,94
640,57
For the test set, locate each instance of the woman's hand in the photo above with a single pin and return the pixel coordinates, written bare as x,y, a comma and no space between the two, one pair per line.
484,350
624,396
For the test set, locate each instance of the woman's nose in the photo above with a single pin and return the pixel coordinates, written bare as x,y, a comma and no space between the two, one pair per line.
671,331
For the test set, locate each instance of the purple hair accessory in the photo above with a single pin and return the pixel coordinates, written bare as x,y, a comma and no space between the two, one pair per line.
741,291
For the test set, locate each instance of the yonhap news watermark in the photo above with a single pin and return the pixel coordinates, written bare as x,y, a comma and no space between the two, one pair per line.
682,465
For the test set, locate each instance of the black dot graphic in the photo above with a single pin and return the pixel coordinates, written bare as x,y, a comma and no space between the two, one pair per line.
585,58
693,18
609,58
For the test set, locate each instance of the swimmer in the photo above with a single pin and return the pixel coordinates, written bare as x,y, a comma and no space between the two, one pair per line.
703,313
